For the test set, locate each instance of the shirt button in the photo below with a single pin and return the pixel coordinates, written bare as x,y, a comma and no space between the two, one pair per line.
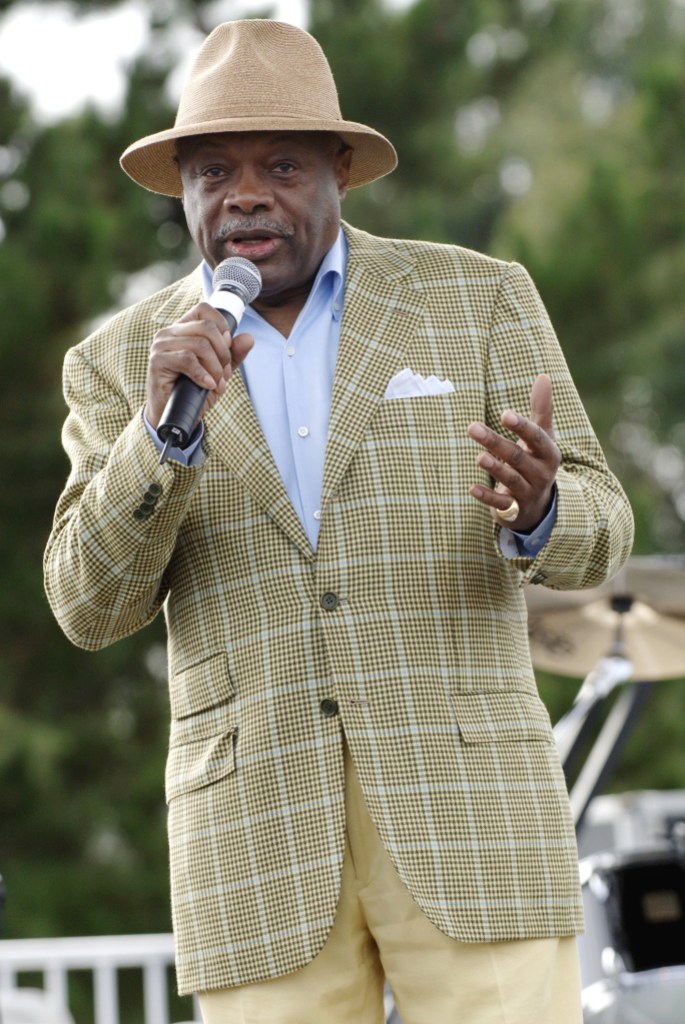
329,601
329,707
317,514
290,351
303,431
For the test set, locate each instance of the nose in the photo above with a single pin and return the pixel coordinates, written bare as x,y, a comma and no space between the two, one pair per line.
248,192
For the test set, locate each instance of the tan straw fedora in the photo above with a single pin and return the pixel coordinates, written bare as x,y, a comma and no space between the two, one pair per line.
257,75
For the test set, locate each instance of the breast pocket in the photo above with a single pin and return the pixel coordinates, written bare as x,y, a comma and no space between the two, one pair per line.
414,446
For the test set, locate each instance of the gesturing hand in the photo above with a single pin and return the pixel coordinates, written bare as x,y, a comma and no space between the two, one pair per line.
523,469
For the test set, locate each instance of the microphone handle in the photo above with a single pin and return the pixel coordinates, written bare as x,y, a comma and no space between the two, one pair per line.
181,412
184,408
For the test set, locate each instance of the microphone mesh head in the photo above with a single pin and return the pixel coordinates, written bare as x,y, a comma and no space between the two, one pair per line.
240,276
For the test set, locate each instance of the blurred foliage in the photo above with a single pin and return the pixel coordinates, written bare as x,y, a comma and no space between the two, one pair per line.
547,131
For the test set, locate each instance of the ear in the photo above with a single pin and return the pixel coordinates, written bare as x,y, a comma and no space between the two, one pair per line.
343,162
178,165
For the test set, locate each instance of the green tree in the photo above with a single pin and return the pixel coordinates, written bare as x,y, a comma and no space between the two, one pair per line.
82,736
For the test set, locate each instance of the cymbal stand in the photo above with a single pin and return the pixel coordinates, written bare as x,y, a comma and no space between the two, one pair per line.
606,748
569,731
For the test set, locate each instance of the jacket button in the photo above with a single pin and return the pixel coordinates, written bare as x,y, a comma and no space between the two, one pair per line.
329,602
155,489
329,707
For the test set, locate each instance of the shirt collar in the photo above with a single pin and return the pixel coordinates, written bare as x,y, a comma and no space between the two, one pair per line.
331,273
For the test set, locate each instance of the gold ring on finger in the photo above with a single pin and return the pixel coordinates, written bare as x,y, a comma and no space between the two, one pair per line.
511,512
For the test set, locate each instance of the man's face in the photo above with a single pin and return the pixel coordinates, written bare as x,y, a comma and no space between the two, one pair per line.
271,197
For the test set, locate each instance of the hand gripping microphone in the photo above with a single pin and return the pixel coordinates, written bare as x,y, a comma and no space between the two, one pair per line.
236,282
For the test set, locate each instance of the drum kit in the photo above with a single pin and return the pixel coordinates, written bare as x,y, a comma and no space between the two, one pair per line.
627,634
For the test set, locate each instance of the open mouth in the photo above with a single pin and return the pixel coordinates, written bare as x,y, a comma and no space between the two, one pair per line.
253,248
251,239
250,236
254,244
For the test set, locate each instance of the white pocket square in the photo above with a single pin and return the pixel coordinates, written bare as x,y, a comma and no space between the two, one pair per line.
406,384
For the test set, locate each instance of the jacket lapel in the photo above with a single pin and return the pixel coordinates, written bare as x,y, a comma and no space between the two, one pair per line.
186,294
236,437
234,433
383,311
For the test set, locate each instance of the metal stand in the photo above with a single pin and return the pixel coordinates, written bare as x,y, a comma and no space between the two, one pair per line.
570,731
607,746
573,728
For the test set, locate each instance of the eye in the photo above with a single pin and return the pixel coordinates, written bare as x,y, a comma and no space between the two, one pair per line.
284,167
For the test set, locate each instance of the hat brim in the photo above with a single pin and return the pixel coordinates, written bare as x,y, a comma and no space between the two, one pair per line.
151,161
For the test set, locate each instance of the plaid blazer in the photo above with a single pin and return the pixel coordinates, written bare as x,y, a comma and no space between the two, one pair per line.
406,629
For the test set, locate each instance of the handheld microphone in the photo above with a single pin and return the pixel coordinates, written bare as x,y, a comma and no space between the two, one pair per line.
236,282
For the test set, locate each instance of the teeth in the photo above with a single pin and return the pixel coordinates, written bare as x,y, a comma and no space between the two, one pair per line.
249,241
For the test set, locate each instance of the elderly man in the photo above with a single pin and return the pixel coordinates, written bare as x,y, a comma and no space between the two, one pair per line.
362,780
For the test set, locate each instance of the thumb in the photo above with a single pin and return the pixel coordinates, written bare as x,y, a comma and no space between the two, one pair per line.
542,403
240,346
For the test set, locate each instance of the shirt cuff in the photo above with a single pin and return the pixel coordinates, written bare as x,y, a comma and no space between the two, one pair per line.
191,455
529,545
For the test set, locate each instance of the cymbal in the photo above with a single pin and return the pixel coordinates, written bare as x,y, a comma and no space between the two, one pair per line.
639,614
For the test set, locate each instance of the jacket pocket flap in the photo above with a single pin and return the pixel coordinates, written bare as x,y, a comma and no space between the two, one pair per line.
201,686
501,718
199,763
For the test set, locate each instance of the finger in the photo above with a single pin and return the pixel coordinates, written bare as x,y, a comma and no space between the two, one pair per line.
541,414
240,346
204,358
496,501
502,448
204,311
201,339
167,365
211,323
215,331
542,403
533,438
507,480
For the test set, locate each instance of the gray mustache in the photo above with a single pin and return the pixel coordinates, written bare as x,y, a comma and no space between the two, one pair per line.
252,224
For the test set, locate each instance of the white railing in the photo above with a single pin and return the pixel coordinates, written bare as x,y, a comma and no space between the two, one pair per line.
104,956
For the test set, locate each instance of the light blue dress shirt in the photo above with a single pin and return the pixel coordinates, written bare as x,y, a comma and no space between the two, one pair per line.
290,383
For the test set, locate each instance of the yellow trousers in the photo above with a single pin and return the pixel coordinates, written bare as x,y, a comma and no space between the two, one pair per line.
379,932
